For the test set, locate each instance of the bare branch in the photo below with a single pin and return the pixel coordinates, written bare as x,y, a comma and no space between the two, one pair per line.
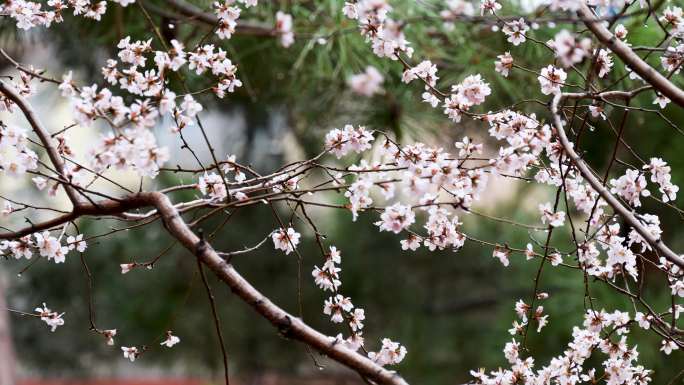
287,324
44,137
643,69
596,184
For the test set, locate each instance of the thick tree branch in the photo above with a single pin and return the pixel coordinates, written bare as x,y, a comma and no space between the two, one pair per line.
596,184
607,95
43,136
101,208
8,362
629,57
289,325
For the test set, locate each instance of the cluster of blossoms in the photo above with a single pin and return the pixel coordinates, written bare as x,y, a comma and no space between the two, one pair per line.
24,85
673,17
551,79
555,219
675,277
602,333
15,156
21,248
130,353
51,318
527,140
630,186
502,254
327,277
660,174
396,218
367,83
423,173
232,182
526,315
212,184
391,353
341,309
523,134
568,50
285,239
45,244
515,31
283,28
228,13
341,142
504,64
109,335
337,306
470,92
386,35
427,73
135,147
170,340
135,150
673,58
490,6
29,14
359,195
620,257
604,62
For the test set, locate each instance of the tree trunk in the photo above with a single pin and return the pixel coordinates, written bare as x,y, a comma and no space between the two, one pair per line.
7,363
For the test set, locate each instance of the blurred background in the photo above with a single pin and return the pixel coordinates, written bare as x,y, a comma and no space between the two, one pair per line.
452,310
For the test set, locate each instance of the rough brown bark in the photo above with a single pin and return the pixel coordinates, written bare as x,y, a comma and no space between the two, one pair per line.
612,201
629,57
